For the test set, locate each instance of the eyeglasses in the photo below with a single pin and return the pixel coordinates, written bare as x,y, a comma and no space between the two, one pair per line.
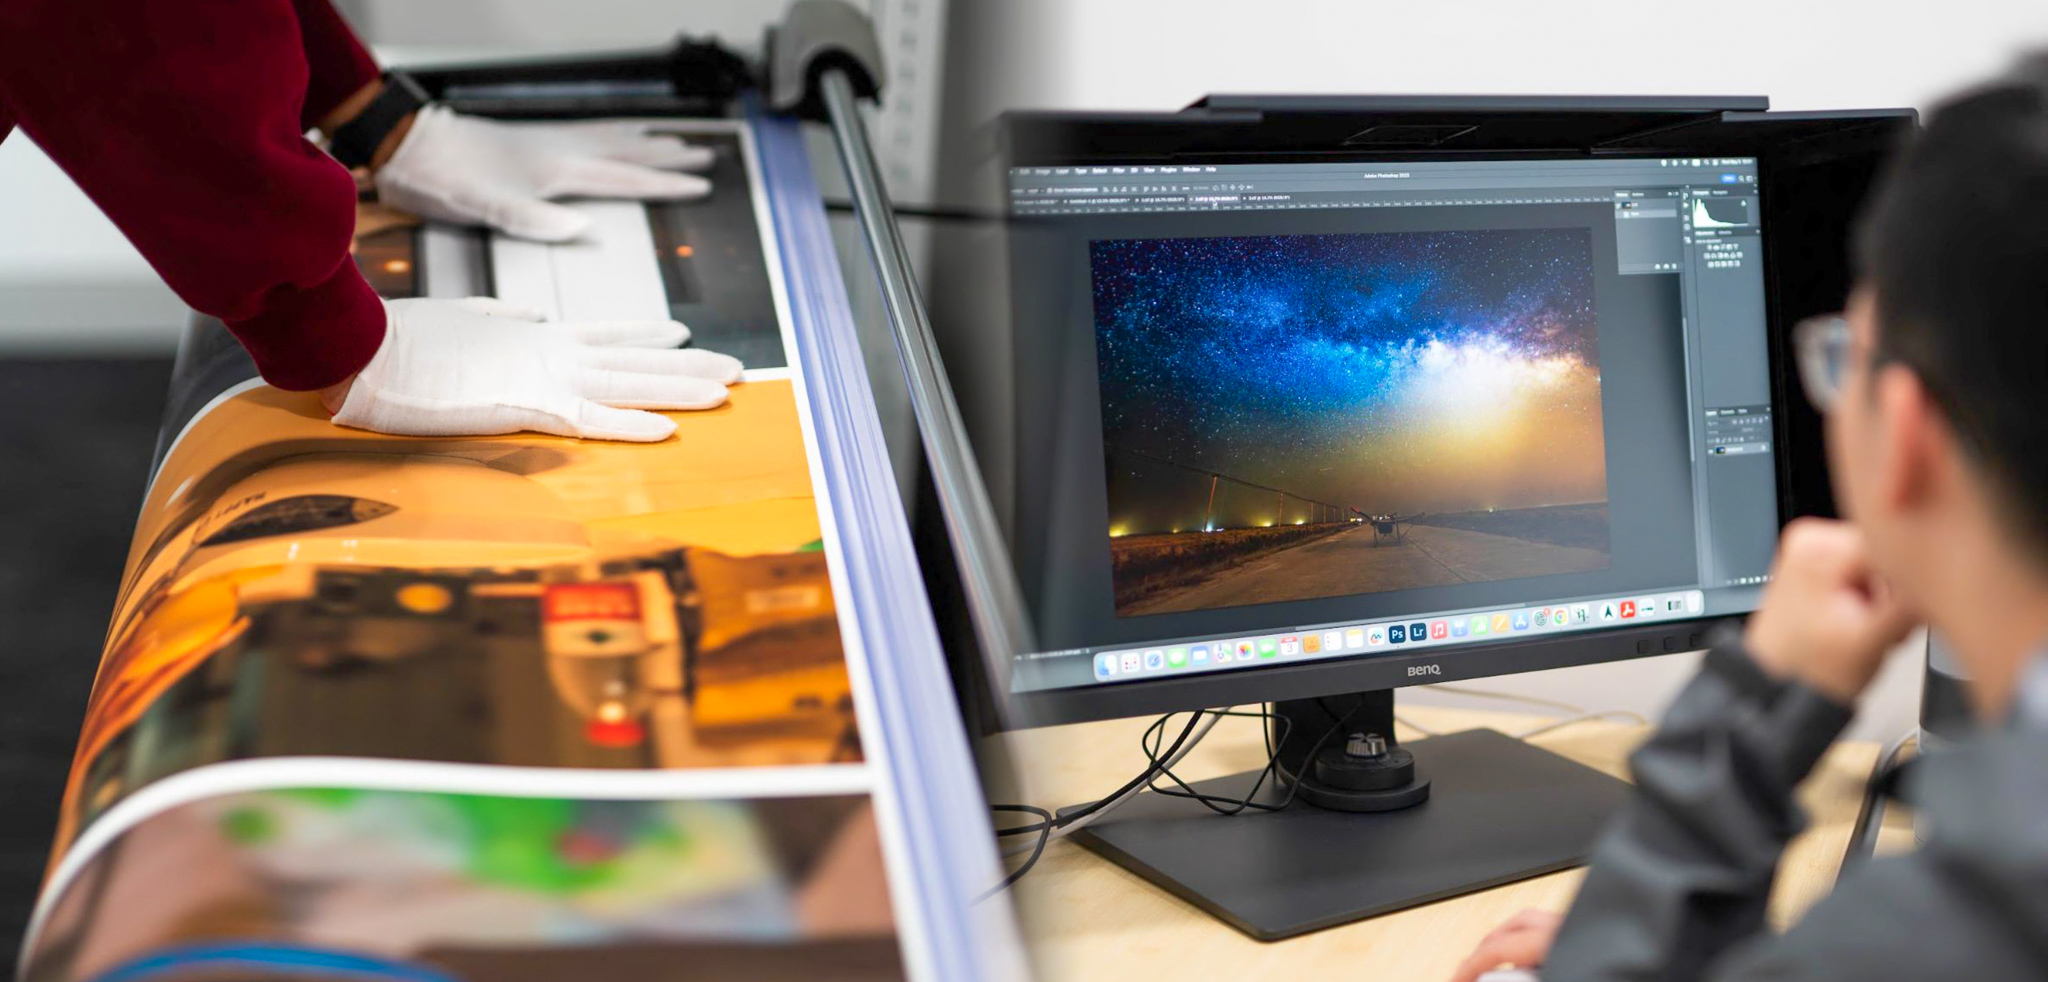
1823,345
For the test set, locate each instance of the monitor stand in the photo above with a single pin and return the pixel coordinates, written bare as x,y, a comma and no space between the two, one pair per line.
1370,831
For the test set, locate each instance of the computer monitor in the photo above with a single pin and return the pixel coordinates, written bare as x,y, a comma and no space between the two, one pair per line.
1316,398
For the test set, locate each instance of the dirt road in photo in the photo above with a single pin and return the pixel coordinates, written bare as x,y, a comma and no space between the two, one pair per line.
1349,563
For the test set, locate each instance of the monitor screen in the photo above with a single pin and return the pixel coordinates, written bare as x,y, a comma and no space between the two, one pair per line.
1273,413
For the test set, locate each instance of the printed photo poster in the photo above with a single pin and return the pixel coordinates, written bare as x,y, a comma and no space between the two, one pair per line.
429,886
514,707
326,596
300,588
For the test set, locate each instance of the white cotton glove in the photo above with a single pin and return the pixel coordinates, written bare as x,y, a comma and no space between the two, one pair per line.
474,171
482,366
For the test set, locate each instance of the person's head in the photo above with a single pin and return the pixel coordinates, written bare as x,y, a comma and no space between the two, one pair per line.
1938,435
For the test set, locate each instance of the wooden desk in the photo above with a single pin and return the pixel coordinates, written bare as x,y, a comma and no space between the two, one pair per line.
1085,918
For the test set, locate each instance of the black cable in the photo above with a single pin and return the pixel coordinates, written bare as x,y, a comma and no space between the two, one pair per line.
1886,778
1141,780
1225,805
1249,800
1229,805
1048,822
1044,828
1157,767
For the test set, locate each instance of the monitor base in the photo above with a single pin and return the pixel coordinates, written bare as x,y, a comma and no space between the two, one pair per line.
1499,810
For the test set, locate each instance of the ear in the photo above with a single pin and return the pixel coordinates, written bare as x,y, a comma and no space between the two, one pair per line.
1915,449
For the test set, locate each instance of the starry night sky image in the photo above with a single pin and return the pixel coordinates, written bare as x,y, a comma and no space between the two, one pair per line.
1394,373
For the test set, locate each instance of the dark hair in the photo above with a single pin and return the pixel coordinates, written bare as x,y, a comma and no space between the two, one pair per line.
1955,242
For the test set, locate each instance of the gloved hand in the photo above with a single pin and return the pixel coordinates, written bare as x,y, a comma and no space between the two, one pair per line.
482,366
474,171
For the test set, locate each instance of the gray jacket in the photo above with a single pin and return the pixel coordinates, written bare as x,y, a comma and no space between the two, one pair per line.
1678,887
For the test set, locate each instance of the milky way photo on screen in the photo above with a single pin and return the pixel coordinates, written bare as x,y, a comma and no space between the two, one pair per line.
1389,372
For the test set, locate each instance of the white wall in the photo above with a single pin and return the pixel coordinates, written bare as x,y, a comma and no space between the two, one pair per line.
1803,54
69,282
551,25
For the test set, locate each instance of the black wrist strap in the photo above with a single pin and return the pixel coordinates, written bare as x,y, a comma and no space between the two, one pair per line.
354,143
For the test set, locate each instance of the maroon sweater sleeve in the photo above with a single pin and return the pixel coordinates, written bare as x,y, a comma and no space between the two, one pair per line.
183,122
339,64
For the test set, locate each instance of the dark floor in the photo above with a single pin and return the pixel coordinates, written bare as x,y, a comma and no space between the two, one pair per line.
75,443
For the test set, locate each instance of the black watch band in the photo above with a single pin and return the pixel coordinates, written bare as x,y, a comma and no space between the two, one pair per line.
354,143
